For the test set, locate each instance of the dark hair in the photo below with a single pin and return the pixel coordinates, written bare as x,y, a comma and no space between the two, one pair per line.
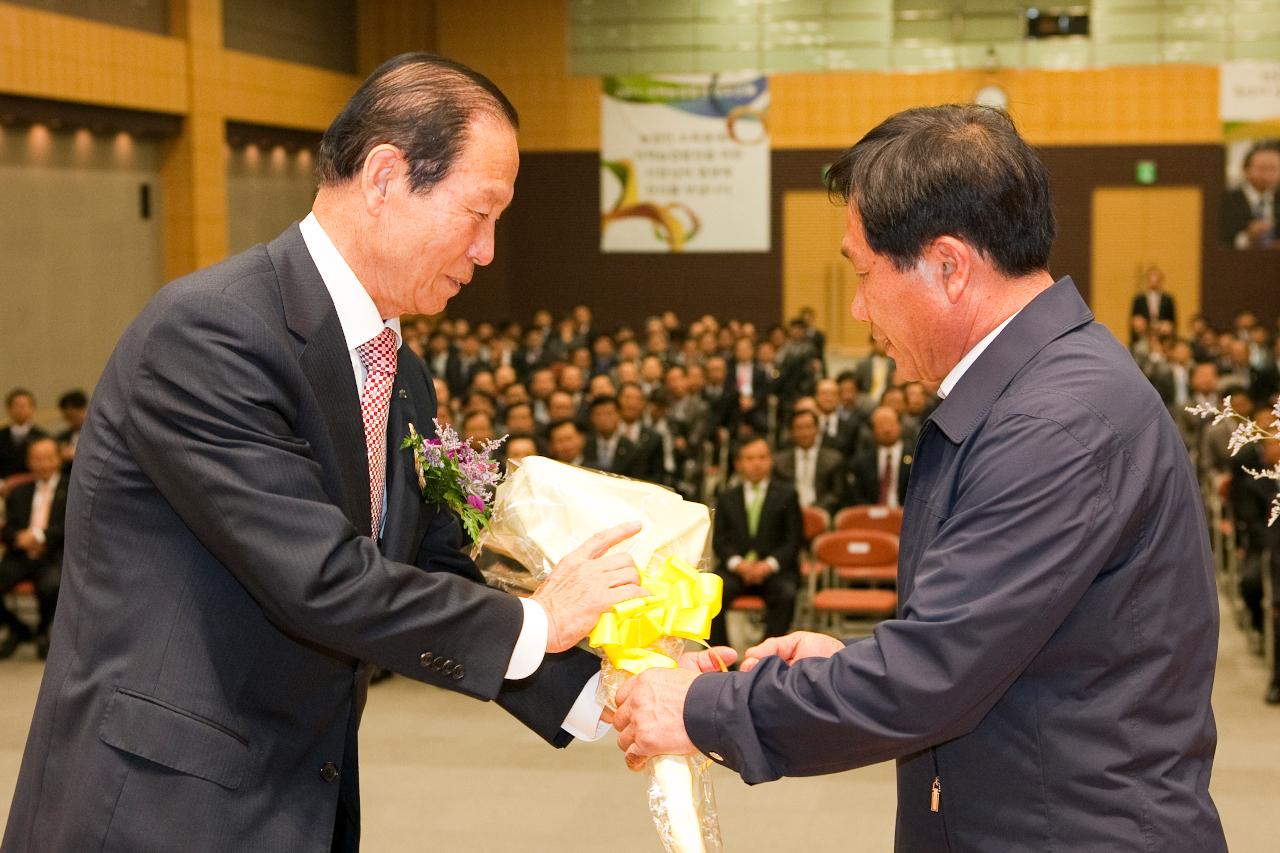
848,376
15,394
555,425
802,413
1259,147
958,169
419,102
601,401
74,399
515,406
477,413
748,440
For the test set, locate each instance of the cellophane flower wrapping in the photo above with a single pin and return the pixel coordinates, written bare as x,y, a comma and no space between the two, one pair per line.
543,511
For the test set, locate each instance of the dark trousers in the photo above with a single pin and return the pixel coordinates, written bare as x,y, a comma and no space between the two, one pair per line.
779,593
46,577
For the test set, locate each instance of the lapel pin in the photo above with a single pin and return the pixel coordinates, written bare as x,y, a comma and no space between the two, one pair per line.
906,460
404,395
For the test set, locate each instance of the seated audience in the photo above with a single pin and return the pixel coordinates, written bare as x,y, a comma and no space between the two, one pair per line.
21,406
816,471
32,535
880,472
757,540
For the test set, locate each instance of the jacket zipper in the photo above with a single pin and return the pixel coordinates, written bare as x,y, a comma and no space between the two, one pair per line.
935,795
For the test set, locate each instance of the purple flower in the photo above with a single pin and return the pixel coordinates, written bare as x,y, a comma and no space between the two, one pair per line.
476,503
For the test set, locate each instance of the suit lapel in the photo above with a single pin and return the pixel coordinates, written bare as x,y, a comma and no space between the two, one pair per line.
325,360
403,496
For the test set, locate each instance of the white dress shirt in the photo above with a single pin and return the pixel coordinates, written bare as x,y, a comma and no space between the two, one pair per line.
42,506
894,457
970,357
361,322
806,474
752,493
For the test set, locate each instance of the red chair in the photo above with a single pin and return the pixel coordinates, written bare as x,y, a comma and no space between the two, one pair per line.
816,521
868,558
870,517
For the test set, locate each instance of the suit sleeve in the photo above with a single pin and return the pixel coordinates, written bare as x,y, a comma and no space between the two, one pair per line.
1030,529
19,515
722,534
210,423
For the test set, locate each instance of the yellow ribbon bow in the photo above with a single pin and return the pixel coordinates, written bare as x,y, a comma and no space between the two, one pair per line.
682,601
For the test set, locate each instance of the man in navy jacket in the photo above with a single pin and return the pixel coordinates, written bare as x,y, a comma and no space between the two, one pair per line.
1046,684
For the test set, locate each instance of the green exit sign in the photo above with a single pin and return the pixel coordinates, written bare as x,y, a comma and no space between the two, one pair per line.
1145,171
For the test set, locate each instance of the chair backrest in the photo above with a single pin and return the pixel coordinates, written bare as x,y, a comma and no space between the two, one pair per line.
816,521
870,517
854,548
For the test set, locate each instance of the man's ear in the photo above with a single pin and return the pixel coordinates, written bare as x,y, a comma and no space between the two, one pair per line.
954,261
380,168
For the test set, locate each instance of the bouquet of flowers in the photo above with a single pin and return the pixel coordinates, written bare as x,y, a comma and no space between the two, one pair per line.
543,511
452,472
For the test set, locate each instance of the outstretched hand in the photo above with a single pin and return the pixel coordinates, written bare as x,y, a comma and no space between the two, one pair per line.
791,648
585,584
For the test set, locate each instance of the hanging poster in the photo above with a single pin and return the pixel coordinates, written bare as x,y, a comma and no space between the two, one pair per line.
684,164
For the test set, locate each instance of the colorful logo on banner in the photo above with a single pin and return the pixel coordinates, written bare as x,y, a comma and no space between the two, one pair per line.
685,164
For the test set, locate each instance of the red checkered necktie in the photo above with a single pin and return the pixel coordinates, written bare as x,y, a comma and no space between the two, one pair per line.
379,359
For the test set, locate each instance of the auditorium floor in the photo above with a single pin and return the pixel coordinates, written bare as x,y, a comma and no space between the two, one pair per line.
445,773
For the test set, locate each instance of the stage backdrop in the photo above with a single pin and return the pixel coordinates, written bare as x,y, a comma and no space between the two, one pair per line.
684,164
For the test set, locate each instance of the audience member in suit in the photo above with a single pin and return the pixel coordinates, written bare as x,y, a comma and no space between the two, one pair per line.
880,472
74,405
920,403
1204,390
817,472
1248,216
721,401
438,354
32,537
815,335
607,449
757,539
532,354
1154,305
566,443
463,364
688,410
875,372
796,374
1250,502
1216,444
21,405
518,420
748,390
648,460
838,430
518,446
1266,375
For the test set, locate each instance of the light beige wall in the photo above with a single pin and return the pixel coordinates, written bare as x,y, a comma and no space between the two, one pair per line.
266,191
77,260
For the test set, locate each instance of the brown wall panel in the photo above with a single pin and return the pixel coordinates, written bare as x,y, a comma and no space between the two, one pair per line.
549,255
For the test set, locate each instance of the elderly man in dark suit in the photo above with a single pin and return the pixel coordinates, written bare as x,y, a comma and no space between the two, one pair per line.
1046,684
757,539
881,470
817,472
1248,216
20,405
244,531
33,536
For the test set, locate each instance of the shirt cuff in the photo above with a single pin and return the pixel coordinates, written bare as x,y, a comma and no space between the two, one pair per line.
773,564
531,645
1242,240
583,720
733,562
38,534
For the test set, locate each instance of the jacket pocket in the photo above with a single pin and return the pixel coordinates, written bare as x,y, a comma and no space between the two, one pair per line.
170,736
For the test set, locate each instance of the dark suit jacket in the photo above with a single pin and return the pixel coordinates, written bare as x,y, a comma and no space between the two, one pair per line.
780,533
864,372
647,461
458,376
624,455
13,453
828,478
1235,215
18,518
864,475
1167,311
220,586
1051,666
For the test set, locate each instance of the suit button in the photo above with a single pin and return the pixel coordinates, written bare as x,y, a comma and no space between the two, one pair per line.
458,672
424,659
715,756
329,772
437,663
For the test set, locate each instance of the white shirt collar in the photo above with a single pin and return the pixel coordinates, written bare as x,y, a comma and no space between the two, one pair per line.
1254,196
970,357
357,314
